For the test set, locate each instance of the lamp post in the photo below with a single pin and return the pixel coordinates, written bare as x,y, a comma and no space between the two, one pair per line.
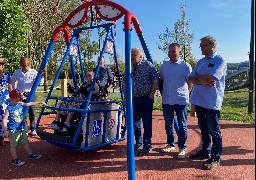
252,56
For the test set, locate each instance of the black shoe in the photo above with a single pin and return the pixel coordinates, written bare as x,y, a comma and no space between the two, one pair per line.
211,164
137,147
17,162
199,155
34,156
145,151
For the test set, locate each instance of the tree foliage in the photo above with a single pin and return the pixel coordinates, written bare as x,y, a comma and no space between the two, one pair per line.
157,65
14,25
180,34
121,65
27,27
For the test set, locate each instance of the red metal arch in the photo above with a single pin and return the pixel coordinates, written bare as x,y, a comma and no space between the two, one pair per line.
79,16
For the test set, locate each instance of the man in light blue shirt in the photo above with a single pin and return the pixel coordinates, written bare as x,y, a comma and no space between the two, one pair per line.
208,78
175,98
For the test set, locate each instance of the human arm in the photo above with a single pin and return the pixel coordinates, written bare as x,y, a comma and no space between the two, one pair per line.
190,86
110,79
153,89
96,89
155,79
4,123
33,103
124,91
10,87
206,80
13,79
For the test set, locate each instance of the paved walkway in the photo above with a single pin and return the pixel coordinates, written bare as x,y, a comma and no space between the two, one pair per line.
110,162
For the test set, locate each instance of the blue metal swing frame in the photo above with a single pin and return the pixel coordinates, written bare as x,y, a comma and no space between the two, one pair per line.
116,11
85,111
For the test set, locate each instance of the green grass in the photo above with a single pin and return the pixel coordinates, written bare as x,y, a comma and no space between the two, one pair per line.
235,107
235,104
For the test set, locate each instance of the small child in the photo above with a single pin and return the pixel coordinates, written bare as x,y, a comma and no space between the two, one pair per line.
16,126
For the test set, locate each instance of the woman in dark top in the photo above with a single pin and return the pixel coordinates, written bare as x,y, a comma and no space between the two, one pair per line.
79,94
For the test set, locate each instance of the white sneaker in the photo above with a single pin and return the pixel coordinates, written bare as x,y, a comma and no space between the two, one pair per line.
33,133
182,154
168,148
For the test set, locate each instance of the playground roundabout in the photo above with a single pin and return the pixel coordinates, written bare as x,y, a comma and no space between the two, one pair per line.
110,162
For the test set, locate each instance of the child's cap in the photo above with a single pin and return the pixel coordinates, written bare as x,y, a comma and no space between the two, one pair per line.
15,94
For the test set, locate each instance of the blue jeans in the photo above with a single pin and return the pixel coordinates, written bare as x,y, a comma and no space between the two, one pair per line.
142,112
181,113
208,122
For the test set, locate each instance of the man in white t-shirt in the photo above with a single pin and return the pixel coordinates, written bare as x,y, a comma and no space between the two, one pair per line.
25,77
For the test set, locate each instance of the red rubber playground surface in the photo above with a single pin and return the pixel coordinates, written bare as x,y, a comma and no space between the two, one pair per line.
110,162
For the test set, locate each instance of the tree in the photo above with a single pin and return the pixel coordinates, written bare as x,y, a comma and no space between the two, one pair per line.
14,25
157,65
42,22
121,64
181,34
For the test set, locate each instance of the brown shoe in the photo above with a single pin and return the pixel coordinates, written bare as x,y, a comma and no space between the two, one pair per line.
2,143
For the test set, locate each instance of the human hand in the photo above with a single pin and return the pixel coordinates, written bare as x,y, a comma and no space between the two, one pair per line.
43,103
5,133
209,84
151,96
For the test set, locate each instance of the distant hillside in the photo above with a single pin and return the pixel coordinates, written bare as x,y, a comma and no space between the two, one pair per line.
237,66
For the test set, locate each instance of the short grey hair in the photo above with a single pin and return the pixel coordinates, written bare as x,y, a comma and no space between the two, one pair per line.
2,59
139,50
210,39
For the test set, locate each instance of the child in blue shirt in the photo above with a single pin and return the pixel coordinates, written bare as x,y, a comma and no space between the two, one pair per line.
14,125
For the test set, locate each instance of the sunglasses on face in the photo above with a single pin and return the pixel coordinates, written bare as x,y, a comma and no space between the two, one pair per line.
204,45
88,75
2,63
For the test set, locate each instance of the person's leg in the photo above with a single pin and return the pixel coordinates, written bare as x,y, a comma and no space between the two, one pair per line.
1,129
57,118
13,138
168,114
66,125
202,123
181,112
32,115
147,106
137,120
27,148
14,153
213,118
24,141
69,117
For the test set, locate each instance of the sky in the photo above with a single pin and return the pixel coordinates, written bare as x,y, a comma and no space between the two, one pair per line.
229,21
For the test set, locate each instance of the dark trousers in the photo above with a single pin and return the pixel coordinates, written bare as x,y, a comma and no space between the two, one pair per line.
142,112
32,116
208,121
